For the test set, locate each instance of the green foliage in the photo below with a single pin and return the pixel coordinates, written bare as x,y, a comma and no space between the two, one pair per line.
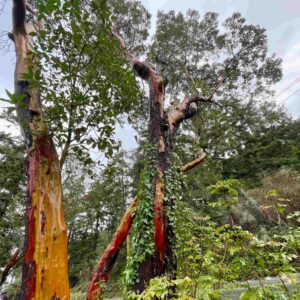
132,21
87,86
174,191
211,51
162,288
273,145
12,200
224,194
94,212
237,141
214,254
142,244
278,196
262,293
86,83
12,196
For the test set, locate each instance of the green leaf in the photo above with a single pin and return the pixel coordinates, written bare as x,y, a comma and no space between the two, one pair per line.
249,295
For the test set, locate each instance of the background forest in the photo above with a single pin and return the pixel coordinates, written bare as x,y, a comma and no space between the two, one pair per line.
236,215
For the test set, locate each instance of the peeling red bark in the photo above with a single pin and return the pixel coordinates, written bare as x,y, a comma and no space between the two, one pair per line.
45,252
102,272
160,227
29,266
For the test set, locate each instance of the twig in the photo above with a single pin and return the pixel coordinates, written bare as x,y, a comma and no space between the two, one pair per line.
188,75
222,80
30,9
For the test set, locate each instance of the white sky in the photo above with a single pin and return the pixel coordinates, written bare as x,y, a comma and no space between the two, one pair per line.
281,18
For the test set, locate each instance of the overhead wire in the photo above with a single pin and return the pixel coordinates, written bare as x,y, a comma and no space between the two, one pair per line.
295,92
286,88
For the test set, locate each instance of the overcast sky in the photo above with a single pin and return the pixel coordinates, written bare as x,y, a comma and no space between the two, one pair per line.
281,18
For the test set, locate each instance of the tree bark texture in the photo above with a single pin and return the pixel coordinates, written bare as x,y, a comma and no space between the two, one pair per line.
45,268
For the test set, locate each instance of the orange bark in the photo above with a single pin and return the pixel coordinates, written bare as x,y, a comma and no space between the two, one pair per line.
102,272
45,272
45,268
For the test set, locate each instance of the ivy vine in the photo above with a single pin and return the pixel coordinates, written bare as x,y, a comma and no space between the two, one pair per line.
142,242
175,187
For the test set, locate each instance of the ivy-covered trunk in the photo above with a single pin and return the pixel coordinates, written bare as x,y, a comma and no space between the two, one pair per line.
154,265
45,268
152,234
153,238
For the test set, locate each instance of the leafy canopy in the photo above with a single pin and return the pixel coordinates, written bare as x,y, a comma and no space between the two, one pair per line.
86,83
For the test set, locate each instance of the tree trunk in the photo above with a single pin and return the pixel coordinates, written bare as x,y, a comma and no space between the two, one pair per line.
102,272
156,266
105,265
163,126
45,268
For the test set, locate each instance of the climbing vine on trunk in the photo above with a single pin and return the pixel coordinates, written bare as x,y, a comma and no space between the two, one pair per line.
142,243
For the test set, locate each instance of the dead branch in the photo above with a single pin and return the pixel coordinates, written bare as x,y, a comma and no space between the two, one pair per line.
183,110
30,8
219,84
187,108
120,39
142,69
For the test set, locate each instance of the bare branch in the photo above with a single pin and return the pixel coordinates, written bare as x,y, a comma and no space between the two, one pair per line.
183,110
120,39
66,148
225,76
192,164
187,108
11,263
220,83
102,272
